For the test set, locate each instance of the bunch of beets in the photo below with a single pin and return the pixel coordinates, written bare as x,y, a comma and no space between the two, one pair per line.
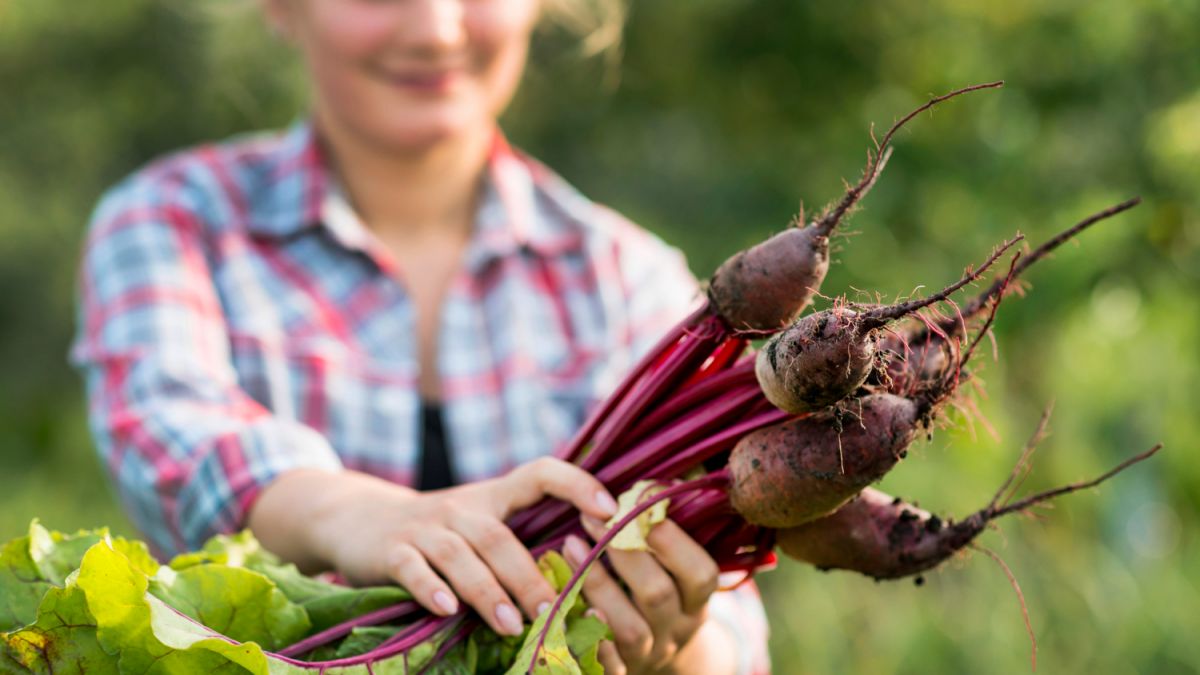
777,448
749,451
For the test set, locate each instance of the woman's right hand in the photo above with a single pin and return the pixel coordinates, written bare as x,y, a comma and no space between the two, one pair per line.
436,544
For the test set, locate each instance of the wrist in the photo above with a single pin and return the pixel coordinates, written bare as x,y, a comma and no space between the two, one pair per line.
299,515
331,510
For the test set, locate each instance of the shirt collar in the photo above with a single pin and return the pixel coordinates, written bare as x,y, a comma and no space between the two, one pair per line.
523,205
295,185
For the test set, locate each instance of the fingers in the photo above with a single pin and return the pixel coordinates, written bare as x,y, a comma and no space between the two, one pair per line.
607,653
695,572
508,559
610,659
407,567
527,484
654,593
632,634
451,555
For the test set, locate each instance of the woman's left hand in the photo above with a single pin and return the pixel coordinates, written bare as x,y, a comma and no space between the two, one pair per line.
669,587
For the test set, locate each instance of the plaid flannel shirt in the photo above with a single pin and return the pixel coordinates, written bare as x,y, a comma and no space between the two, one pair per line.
238,321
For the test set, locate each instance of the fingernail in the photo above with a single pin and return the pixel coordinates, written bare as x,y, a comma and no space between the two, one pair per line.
445,602
509,620
607,504
541,609
576,550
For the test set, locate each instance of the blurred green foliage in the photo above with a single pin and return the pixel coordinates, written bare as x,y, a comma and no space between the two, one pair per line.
724,117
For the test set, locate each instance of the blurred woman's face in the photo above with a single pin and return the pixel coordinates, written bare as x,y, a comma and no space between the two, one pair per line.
407,74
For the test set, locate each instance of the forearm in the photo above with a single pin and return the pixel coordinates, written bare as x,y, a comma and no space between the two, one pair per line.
297,515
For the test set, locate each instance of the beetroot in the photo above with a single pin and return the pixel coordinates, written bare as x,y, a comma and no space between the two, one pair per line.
825,357
764,288
885,538
878,536
799,470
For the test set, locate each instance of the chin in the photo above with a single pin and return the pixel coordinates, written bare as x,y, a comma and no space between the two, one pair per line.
425,130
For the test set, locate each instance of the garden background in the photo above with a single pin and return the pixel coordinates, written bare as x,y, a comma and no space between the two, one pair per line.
721,118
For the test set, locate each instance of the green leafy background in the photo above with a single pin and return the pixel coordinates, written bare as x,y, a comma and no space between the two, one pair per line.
723,117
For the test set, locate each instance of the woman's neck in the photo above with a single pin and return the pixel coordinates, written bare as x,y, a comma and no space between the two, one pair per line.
427,193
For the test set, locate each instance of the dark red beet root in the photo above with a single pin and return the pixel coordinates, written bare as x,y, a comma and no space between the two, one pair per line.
883,537
827,356
879,536
908,370
764,288
817,362
797,471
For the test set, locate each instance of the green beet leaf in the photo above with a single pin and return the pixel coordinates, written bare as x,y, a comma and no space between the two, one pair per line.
462,660
234,550
572,640
148,635
56,554
62,640
326,603
495,652
31,565
21,585
584,635
633,536
103,621
236,602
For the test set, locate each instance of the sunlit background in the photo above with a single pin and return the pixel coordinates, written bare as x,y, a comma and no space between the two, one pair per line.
721,119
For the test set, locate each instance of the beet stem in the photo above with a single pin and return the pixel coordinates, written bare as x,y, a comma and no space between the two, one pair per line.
724,383
382,615
671,443
571,451
680,364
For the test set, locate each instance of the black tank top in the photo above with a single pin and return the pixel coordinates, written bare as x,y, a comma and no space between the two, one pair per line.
436,471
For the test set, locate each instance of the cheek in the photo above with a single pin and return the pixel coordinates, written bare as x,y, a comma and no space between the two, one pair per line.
499,34
339,36
351,29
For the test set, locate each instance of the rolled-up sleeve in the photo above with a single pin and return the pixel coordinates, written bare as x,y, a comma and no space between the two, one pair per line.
188,450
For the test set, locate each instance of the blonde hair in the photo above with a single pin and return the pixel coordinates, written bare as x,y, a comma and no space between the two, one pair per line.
598,23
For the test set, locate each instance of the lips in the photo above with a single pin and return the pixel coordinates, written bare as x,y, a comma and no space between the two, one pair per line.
427,82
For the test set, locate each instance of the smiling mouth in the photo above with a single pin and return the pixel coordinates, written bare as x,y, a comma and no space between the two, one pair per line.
434,82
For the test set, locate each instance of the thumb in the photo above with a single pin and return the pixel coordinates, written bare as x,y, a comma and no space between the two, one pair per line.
529,483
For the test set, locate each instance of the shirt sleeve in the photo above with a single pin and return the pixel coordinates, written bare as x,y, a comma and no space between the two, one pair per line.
661,291
188,450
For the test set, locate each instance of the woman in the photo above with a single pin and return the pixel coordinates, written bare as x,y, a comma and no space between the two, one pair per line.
272,326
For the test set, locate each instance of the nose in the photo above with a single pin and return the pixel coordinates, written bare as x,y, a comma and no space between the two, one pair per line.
434,25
